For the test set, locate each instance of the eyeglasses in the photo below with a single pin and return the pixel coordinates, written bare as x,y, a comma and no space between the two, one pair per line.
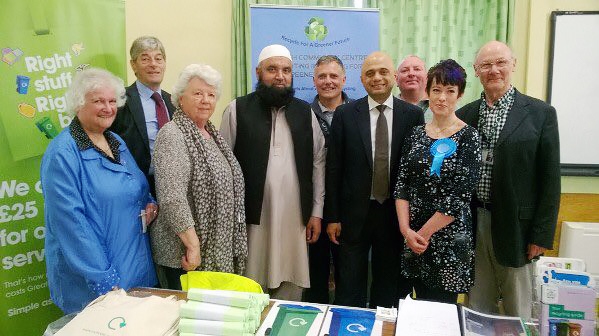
501,64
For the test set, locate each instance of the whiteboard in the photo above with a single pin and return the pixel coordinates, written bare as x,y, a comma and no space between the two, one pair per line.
573,89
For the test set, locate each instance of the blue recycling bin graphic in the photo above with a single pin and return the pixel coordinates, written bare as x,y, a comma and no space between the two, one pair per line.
22,84
351,322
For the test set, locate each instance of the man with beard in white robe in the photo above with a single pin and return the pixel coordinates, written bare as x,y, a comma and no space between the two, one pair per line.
278,143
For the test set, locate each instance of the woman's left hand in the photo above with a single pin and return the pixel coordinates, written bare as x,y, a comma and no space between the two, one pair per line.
151,212
191,259
415,242
426,234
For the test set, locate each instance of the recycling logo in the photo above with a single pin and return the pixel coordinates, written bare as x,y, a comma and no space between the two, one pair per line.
117,323
316,30
297,322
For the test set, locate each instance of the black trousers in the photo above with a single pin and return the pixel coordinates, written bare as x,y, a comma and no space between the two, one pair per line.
172,277
432,294
380,233
320,268
152,183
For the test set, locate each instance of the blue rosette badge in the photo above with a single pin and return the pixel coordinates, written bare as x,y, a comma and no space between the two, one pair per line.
441,149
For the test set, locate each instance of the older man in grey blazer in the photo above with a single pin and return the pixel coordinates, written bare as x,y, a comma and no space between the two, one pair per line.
517,197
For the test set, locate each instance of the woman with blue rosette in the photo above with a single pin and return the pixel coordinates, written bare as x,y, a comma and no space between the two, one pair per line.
438,171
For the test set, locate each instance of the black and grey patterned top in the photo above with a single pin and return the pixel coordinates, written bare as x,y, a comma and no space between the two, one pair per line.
448,262
490,123
196,189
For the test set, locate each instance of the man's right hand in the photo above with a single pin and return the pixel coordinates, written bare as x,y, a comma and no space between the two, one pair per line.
334,230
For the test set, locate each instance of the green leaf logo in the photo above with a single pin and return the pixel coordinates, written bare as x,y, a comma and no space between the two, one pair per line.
316,30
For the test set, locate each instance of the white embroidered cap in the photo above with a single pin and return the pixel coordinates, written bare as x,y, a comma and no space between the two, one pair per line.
274,50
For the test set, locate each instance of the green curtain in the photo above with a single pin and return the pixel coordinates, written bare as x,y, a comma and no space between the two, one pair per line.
240,48
441,29
432,29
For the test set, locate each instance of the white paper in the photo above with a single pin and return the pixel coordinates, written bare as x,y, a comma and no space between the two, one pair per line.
144,224
425,318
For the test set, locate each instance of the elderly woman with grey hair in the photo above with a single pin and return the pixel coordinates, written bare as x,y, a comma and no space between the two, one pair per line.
199,185
96,200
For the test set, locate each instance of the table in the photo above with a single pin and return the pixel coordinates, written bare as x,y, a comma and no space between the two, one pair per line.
388,327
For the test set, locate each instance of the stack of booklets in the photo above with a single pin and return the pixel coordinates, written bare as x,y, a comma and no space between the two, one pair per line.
287,318
221,313
426,318
344,321
567,297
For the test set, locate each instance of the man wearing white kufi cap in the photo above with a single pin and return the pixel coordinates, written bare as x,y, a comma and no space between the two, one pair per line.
279,145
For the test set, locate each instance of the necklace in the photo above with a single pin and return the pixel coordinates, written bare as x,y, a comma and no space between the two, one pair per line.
102,144
439,131
106,149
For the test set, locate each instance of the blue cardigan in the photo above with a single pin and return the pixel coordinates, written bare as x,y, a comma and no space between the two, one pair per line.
94,238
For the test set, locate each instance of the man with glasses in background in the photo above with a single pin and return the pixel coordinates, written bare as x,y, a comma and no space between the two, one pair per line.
517,198
147,107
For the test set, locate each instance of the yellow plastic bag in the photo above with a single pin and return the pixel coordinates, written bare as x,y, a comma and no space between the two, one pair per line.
218,280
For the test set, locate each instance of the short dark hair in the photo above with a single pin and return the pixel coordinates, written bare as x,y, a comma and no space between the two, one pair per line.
328,59
447,72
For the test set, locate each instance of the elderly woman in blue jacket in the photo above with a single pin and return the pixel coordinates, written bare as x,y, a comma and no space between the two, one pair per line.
95,201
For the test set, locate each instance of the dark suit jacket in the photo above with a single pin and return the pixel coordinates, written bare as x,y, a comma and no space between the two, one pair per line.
349,162
525,189
130,124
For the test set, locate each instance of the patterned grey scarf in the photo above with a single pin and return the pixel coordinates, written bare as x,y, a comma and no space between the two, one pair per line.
206,187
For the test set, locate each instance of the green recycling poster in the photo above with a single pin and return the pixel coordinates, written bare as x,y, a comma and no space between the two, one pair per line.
42,45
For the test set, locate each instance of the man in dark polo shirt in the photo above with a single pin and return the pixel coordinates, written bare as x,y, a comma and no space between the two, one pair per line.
329,80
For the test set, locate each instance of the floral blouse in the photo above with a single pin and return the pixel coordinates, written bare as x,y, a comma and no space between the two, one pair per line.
448,262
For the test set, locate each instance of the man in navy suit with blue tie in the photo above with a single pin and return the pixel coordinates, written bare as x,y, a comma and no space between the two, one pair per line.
362,161
147,107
